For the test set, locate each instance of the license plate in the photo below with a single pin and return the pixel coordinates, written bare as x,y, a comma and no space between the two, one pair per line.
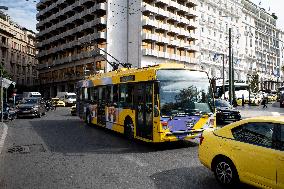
26,111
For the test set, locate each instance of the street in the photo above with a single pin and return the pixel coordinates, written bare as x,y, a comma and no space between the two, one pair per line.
60,151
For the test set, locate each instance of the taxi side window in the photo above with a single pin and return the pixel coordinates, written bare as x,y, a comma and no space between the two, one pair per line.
260,134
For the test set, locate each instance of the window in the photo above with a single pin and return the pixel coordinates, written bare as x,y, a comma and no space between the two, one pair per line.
126,95
255,133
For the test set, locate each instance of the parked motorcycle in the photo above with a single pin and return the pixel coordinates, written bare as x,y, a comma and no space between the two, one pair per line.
9,114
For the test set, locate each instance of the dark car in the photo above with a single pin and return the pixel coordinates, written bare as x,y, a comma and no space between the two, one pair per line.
225,112
31,107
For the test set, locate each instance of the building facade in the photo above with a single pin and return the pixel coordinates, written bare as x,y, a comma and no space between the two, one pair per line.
81,37
267,45
217,17
255,41
18,52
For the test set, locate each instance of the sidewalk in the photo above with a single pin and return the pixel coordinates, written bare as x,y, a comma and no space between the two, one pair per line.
3,134
253,111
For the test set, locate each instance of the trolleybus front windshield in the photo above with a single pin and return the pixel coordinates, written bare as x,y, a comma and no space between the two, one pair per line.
184,92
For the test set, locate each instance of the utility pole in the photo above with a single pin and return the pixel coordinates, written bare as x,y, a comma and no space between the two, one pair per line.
223,56
230,67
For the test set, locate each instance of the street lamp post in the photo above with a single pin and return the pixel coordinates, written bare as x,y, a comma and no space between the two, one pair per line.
230,67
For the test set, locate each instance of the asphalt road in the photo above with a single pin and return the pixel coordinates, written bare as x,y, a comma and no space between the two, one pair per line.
60,151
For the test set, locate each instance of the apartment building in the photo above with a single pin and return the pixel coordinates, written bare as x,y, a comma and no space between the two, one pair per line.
267,44
18,52
80,37
216,18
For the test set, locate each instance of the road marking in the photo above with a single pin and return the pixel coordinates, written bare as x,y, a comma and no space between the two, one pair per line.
275,113
135,160
4,134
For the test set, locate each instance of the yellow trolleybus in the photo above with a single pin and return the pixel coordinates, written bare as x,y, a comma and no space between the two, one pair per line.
166,102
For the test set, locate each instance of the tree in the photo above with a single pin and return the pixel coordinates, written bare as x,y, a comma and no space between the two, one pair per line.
5,74
253,84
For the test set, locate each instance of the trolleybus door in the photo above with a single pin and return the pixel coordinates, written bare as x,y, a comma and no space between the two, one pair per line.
101,119
144,110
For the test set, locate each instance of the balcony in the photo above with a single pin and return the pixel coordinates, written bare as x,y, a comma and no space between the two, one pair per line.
184,20
184,32
174,5
192,47
193,24
163,40
166,2
192,13
183,58
194,2
72,31
149,22
172,56
184,8
173,29
149,36
72,18
149,52
194,60
163,13
173,16
150,8
174,43
163,26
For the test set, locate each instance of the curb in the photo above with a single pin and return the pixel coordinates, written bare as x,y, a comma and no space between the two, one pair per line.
3,134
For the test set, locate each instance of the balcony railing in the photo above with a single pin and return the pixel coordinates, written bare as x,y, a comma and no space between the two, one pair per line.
73,31
71,19
149,22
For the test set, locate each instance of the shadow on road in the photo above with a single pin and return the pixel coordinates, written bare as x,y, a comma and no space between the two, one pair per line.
72,136
186,178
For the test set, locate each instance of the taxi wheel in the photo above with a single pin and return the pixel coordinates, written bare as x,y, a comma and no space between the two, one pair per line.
225,172
129,129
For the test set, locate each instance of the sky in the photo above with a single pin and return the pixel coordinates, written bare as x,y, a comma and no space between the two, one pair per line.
24,11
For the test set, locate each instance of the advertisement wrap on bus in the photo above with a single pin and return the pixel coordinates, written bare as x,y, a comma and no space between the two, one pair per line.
166,102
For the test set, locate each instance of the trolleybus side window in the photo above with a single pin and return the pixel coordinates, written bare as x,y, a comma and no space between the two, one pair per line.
108,94
95,95
102,96
126,95
115,94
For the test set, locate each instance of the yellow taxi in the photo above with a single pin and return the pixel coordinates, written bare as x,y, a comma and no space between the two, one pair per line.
249,151
58,102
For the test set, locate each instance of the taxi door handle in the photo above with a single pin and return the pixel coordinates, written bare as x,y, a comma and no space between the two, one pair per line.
281,158
236,148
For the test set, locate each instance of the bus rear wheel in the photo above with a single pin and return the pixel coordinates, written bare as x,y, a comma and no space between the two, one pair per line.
129,129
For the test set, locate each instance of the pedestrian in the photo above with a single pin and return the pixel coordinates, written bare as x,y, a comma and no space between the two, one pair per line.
264,102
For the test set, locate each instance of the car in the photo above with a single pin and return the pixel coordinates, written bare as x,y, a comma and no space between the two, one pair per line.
272,97
225,112
31,107
60,103
249,151
73,110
